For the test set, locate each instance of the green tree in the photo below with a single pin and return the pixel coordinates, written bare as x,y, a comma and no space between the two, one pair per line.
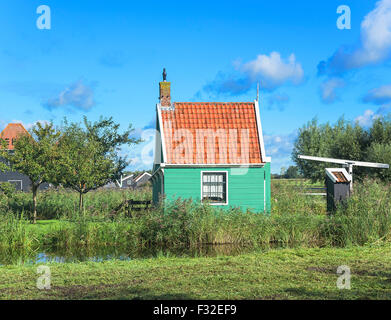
3,162
90,155
381,153
343,140
35,156
292,173
313,140
380,131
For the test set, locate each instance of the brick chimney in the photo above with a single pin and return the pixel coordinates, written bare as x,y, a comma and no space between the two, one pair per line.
165,91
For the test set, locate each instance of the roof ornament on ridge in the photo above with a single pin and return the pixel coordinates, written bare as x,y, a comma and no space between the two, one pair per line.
164,75
165,93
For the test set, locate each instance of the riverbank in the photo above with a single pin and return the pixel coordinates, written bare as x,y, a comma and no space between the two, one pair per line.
296,220
275,274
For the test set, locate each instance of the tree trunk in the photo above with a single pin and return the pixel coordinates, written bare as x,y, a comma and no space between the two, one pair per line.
35,189
81,204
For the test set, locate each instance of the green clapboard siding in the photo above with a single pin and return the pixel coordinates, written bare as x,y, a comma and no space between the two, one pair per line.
156,188
245,186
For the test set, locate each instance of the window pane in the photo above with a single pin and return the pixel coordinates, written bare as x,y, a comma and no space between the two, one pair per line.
214,187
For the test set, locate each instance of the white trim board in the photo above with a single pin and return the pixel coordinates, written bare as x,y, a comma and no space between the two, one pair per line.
260,134
21,183
162,138
122,180
212,165
142,176
126,178
329,172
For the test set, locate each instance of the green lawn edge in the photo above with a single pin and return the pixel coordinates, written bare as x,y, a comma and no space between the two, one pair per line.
305,273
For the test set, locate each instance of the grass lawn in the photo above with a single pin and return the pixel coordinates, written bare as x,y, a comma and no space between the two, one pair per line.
276,274
44,225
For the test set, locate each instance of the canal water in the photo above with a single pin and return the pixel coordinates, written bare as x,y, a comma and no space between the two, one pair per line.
18,257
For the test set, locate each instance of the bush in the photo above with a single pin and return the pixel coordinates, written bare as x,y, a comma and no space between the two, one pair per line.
7,191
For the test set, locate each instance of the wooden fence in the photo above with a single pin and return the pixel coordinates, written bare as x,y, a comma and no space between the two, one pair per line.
132,206
314,191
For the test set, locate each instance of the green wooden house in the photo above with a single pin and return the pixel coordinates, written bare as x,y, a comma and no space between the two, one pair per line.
210,152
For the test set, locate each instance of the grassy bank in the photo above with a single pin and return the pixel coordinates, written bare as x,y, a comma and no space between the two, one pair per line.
276,274
296,221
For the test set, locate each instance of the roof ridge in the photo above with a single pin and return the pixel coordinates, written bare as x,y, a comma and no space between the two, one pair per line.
11,124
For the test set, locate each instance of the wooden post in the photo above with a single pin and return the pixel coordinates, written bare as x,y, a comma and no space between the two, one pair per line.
351,174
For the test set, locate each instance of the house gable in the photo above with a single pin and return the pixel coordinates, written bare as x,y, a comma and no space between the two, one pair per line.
11,132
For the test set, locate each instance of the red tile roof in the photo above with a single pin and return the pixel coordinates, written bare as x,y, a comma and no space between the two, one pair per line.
189,128
340,177
11,132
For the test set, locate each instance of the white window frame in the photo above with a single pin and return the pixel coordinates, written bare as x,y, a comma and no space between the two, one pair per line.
226,183
21,183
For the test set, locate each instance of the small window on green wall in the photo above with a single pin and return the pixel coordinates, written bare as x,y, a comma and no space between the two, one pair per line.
214,187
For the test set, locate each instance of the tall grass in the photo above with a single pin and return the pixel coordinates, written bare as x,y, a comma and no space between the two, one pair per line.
63,204
296,220
365,219
13,232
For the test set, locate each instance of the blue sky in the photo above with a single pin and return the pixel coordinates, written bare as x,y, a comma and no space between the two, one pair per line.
106,58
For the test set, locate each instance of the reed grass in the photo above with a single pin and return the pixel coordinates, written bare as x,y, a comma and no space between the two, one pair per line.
296,220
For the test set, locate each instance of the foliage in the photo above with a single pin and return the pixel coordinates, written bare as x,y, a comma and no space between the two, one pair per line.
35,155
292,173
380,131
89,155
380,152
343,140
7,191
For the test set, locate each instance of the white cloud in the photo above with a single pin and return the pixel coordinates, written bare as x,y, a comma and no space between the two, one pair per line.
367,118
77,95
369,115
273,70
379,96
375,35
280,147
374,46
281,162
328,89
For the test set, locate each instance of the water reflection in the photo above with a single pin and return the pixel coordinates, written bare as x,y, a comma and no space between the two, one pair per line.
49,255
